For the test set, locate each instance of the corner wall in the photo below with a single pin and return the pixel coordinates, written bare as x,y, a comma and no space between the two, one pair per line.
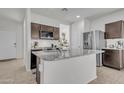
27,39
77,28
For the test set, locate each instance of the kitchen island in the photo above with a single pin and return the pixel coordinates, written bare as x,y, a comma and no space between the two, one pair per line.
72,68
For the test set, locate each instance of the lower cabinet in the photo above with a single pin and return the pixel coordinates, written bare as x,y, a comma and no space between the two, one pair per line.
35,61
113,58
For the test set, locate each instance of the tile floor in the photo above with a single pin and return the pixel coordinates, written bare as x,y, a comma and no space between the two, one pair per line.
14,72
109,76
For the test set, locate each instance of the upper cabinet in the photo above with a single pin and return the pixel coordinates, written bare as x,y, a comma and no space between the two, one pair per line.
47,28
40,31
56,33
114,30
35,28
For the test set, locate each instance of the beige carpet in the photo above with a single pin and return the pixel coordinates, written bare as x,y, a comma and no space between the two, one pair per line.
14,72
109,76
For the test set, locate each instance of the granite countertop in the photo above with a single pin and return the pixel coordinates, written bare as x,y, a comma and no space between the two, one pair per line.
56,55
114,48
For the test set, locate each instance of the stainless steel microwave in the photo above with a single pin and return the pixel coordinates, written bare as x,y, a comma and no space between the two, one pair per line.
46,35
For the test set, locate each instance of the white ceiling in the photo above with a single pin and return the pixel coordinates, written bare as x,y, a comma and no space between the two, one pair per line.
70,15
15,14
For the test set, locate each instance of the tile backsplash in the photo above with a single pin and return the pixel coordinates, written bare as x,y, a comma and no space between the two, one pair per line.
115,43
44,43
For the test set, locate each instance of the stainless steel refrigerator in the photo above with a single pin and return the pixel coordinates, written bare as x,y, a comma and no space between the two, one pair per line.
94,40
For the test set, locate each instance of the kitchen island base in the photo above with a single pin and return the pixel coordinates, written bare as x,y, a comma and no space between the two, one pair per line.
75,70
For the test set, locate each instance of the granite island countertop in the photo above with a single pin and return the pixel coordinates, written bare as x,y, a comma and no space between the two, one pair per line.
53,55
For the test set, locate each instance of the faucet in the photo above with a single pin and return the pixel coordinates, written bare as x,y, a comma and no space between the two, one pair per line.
60,52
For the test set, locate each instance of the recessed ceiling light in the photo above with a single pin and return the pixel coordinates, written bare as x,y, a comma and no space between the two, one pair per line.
78,16
65,9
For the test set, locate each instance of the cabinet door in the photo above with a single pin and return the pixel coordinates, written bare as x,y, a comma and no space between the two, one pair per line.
56,33
47,28
35,28
113,30
111,58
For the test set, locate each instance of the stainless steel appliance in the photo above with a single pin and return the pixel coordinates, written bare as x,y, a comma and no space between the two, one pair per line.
87,37
46,35
94,40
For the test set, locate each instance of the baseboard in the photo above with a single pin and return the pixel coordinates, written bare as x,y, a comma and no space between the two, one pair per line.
8,59
91,79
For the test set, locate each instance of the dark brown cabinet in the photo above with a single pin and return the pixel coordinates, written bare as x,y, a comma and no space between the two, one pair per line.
35,28
56,33
47,28
33,61
36,31
113,58
114,30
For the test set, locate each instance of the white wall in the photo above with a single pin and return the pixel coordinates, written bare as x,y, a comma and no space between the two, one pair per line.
20,41
27,39
24,40
11,25
77,29
99,24
45,20
87,25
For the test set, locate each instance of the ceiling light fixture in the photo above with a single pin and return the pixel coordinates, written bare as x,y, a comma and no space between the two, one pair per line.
64,9
78,16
